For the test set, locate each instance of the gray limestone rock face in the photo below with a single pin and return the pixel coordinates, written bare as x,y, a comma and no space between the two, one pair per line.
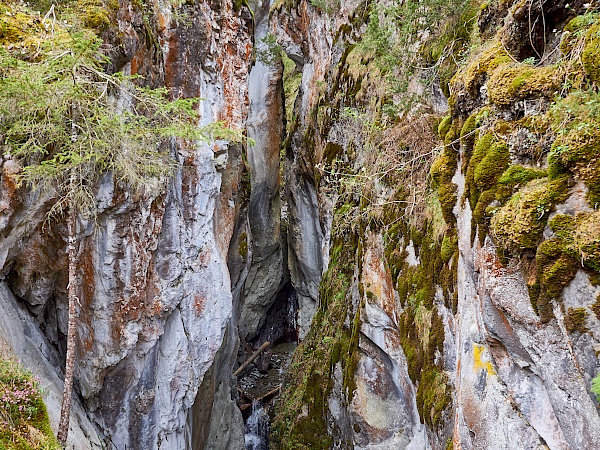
265,126
305,256
154,284
216,420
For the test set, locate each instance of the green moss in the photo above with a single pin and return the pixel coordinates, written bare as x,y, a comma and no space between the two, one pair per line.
441,173
580,236
96,17
23,31
576,122
596,387
443,168
481,214
332,340
494,162
421,325
573,31
489,60
555,270
243,245
516,175
432,395
489,160
596,307
444,127
520,223
452,137
449,247
292,78
481,146
591,53
575,320
395,254
511,83
467,132
446,49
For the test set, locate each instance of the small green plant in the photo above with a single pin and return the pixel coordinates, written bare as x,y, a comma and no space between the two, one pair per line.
596,387
23,417
418,39
268,51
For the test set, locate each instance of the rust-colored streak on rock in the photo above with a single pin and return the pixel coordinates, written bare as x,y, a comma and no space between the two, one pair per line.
138,301
172,70
199,303
8,186
232,63
135,64
88,287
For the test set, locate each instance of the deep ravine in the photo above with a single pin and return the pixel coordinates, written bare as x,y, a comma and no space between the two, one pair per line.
411,224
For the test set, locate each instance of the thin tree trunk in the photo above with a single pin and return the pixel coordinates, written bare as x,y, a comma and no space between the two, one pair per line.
65,412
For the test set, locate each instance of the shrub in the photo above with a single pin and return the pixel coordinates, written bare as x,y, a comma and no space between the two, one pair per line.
404,35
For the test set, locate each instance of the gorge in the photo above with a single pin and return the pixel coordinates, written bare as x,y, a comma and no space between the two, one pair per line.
411,221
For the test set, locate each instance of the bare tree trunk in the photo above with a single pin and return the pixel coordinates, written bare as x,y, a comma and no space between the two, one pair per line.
65,412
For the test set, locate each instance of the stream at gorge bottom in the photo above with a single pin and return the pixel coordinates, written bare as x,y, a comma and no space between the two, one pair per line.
259,391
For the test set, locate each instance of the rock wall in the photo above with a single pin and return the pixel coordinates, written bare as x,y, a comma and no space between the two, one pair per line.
265,126
155,289
456,311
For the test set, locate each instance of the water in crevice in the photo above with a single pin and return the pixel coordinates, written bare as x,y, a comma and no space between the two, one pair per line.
262,388
257,428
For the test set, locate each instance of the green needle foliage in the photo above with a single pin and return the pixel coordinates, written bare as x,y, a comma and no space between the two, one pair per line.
68,122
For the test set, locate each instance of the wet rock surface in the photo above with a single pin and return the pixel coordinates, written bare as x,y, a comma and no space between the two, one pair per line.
257,381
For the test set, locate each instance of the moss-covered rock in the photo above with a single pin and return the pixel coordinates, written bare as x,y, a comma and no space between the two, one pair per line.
580,236
596,307
576,319
474,75
421,325
96,17
591,53
444,126
517,175
512,83
555,269
520,223
494,162
441,173
576,121
574,30
24,423
449,247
